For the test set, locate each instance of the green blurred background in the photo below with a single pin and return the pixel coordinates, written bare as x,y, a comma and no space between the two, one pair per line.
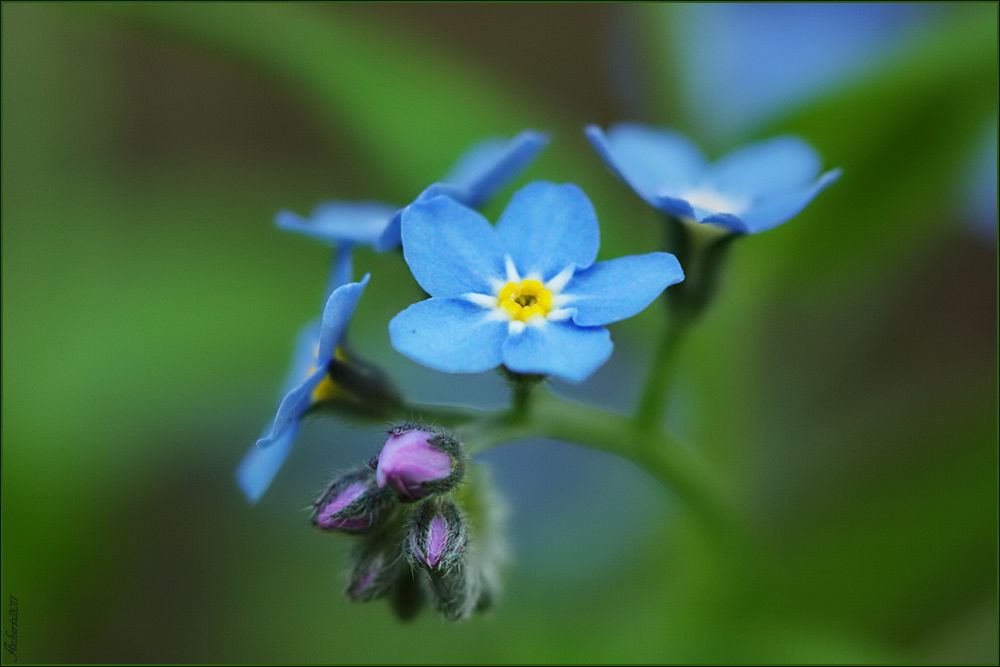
846,379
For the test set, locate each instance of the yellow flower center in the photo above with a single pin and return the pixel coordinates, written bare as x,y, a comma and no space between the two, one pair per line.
327,389
525,300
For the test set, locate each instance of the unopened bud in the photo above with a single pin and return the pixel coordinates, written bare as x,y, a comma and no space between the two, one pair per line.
416,462
352,503
436,537
375,572
454,592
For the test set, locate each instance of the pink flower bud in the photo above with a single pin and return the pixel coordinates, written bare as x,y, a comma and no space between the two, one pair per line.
352,503
436,537
416,463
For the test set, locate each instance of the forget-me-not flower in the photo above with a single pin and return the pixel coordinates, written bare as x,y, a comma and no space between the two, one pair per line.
750,190
527,293
307,384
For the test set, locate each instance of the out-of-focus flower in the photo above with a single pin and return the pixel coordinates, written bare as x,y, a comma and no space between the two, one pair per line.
338,222
343,225
416,462
752,189
308,383
527,293
734,80
477,175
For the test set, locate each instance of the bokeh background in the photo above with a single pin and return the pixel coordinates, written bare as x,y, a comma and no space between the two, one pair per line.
845,381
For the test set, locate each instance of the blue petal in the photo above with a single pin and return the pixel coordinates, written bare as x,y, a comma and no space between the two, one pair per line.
259,466
333,222
766,168
450,335
392,236
679,208
773,211
620,288
478,174
491,164
451,250
342,271
654,162
337,315
562,349
292,407
729,221
546,227
303,356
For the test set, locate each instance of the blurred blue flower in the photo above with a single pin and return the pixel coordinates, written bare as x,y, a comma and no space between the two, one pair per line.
343,225
477,175
307,384
526,293
734,80
750,190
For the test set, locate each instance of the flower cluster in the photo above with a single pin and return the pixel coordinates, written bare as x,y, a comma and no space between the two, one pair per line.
405,509
526,296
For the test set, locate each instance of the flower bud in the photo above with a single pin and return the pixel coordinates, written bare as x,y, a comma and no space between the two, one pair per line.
352,503
375,572
417,462
436,537
455,592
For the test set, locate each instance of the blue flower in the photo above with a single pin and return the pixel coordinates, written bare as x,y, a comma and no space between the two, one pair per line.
750,190
306,385
477,175
526,293
734,80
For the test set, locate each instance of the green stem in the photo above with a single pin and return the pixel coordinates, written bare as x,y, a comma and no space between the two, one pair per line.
522,387
653,404
681,470
702,251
